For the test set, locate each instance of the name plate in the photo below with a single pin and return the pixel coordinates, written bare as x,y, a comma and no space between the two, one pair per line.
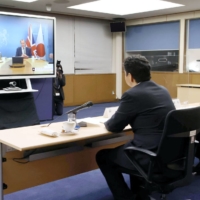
176,102
109,112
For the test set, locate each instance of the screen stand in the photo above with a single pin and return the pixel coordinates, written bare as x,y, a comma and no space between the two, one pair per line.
28,84
19,90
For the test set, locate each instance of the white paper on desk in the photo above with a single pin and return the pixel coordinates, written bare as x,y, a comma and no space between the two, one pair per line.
95,121
90,120
103,119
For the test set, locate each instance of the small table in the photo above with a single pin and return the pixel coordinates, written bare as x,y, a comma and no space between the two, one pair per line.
188,93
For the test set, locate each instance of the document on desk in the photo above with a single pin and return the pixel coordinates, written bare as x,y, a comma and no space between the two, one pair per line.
95,121
186,106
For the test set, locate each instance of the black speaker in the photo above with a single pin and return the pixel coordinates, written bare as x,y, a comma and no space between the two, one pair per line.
117,27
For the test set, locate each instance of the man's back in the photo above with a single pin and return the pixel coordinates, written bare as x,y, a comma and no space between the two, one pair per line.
144,107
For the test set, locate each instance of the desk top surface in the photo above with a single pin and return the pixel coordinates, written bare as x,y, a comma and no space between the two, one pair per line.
29,63
29,137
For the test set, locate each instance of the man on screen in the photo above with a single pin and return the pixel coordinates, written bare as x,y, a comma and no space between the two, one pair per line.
23,50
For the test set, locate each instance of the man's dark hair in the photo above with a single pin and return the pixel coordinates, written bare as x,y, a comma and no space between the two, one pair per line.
138,66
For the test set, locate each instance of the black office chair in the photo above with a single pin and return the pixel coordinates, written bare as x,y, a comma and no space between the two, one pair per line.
172,164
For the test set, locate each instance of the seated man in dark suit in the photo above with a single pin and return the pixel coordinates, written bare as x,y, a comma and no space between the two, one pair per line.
144,106
23,50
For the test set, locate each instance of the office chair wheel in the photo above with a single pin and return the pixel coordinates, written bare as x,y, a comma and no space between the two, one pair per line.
163,197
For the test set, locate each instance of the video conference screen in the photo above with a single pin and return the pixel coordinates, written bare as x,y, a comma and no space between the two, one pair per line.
31,38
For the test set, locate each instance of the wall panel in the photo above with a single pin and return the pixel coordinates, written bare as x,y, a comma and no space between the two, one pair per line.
68,90
169,80
106,86
97,88
194,78
157,36
84,88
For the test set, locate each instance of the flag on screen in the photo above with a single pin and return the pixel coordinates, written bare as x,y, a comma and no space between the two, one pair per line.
30,42
40,44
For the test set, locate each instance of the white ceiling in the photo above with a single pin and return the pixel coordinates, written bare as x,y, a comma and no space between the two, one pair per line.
40,5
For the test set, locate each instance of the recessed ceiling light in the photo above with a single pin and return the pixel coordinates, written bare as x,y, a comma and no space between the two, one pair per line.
26,1
125,7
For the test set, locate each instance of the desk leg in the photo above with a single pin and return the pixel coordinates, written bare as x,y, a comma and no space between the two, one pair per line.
1,171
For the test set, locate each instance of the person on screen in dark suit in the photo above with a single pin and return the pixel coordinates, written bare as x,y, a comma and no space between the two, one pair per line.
58,84
144,107
23,50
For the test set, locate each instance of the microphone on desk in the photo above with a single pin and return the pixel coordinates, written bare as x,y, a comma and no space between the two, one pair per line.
75,110
84,106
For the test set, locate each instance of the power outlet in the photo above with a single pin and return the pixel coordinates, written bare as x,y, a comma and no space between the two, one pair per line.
113,92
8,149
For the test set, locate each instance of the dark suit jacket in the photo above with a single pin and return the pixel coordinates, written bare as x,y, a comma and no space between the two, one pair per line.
19,52
144,107
60,83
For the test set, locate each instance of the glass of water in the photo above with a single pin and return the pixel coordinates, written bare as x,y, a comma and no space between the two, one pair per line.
71,117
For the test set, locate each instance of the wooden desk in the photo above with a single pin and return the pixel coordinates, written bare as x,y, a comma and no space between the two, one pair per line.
188,93
21,176
41,67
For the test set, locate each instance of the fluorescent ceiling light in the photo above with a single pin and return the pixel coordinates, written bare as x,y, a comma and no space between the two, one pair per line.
125,7
26,1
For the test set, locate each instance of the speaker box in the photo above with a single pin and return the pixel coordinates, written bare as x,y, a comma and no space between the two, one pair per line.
117,27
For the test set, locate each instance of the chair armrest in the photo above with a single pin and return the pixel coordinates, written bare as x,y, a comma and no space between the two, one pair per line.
150,153
146,176
185,134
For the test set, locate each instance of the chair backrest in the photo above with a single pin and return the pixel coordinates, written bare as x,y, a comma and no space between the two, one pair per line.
177,140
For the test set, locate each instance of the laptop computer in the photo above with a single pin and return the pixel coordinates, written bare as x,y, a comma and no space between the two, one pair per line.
17,62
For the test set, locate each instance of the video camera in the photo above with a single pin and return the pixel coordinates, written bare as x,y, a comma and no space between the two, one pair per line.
59,67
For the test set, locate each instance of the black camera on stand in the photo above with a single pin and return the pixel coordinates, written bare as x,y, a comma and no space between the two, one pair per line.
13,84
12,87
59,70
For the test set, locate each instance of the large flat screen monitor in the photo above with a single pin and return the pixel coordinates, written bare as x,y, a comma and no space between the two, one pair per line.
31,37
